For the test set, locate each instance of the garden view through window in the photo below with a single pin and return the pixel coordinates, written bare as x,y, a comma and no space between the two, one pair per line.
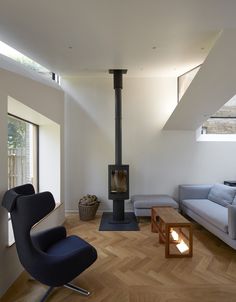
22,157
22,152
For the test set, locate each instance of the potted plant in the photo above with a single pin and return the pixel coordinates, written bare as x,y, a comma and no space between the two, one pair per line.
88,206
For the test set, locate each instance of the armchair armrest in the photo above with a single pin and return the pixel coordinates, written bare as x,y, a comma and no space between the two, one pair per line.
193,191
42,240
232,221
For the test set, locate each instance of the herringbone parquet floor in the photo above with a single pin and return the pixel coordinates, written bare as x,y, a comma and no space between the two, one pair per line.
131,267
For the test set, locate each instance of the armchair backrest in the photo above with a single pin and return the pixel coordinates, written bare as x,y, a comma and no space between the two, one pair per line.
26,209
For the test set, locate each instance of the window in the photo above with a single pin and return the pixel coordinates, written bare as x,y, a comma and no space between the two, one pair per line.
221,126
223,121
22,157
49,148
22,152
17,56
185,80
45,174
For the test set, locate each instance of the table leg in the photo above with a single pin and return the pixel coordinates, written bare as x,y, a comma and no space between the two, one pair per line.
190,241
167,241
153,222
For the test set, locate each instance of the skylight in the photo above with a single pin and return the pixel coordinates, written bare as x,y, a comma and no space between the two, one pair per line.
17,56
185,80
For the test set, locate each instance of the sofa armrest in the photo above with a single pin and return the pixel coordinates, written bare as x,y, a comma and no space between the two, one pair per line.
232,221
193,191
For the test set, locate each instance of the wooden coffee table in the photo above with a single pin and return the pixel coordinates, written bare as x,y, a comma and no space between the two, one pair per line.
174,230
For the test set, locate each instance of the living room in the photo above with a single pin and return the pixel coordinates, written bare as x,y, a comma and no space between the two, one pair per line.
157,41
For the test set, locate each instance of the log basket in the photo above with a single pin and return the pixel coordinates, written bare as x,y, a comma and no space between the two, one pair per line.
88,206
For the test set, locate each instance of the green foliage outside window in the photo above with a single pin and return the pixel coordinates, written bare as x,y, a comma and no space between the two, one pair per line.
16,133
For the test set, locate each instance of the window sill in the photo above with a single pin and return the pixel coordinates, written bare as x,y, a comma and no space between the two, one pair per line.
214,137
217,138
11,241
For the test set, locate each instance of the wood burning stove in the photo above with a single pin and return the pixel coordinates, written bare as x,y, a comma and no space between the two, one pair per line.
118,174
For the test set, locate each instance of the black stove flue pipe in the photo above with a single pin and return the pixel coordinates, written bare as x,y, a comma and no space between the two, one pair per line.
118,205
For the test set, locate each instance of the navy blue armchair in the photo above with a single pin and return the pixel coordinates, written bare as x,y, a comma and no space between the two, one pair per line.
49,256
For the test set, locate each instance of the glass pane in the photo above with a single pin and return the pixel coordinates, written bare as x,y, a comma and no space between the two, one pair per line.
185,80
17,56
219,126
223,121
119,181
22,163
22,158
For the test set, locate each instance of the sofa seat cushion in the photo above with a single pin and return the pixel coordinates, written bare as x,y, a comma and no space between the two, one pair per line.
222,194
148,201
210,211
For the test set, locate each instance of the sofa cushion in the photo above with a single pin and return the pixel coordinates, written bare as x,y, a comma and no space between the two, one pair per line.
210,211
222,194
194,191
148,201
142,212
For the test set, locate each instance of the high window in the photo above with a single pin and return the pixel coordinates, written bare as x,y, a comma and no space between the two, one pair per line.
185,80
17,56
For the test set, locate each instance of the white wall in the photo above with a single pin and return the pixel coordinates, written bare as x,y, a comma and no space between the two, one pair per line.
49,102
49,160
159,160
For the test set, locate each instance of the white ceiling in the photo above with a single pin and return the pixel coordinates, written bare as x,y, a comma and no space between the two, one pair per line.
107,34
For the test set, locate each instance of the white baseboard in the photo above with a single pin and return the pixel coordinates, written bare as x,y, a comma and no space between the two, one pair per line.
77,212
128,208
99,212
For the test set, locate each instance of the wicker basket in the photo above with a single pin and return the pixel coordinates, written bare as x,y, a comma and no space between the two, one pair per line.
88,212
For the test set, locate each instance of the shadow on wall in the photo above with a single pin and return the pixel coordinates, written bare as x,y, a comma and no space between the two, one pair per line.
88,156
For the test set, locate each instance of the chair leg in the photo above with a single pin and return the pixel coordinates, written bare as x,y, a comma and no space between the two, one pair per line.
48,292
77,289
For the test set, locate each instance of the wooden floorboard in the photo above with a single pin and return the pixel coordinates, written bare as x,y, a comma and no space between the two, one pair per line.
131,267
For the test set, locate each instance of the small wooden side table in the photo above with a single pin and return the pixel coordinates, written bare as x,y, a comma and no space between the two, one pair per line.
174,230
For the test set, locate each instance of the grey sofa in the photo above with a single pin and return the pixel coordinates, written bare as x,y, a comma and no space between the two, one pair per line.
212,206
